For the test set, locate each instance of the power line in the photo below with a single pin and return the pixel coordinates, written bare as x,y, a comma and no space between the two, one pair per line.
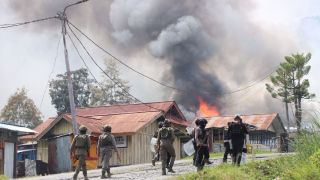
123,63
152,79
53,67
3,26
85,64
113,80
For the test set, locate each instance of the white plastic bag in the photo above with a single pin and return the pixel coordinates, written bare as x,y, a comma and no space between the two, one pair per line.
243,158
153,142
188,147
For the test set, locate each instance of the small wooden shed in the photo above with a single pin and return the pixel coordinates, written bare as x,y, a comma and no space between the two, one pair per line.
8,147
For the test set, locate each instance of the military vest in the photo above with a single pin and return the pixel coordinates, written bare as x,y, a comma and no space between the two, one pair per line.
166,133
237,130
105,140
82,141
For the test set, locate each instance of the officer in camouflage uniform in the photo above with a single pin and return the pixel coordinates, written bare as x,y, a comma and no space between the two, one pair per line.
80,147
106,144
165,142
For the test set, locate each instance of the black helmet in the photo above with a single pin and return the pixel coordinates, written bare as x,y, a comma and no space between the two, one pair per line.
82,129
166,123
197,122
202,122
107,128
160,124
237,117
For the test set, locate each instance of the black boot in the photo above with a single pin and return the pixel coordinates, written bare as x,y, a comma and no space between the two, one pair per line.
171,170
164,172
103,174
108,172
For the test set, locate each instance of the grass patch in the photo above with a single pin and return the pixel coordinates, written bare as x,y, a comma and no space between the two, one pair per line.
2,177
305,164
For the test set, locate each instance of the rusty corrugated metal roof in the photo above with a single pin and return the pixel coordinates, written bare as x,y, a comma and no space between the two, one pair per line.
125,119
128,123
126,108
39,129
261,121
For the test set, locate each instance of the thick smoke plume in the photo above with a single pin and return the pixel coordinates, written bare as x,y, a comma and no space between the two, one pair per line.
211,46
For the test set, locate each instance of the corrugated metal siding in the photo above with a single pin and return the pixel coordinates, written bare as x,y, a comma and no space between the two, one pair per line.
59,155
9,159
63,155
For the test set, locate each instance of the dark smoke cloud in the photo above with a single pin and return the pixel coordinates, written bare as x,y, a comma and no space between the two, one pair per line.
171,32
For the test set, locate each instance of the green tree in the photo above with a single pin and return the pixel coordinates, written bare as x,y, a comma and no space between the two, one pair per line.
290,83
281,85
21,110
109,92
58,90
300,85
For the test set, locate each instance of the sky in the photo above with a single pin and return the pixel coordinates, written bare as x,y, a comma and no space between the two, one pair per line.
28,53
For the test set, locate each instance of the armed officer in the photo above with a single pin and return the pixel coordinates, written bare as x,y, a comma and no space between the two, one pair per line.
106,143
237,131
165,143
201,137
80,147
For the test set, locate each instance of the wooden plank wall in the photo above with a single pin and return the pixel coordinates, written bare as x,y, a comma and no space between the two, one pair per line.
138,150
42,150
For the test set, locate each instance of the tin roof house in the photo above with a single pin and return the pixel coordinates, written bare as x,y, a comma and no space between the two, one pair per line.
133,126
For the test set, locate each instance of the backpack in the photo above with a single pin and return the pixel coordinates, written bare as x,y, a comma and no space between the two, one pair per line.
82,141
165,133
105,140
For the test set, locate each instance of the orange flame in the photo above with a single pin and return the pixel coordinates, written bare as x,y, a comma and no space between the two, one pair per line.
207,110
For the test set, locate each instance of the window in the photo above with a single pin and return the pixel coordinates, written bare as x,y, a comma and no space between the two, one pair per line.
121,141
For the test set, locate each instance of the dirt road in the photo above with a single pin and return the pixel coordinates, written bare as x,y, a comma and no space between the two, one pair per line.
144,171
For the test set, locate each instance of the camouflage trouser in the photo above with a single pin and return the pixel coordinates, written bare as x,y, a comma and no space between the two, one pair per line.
106,154
165,149
81,164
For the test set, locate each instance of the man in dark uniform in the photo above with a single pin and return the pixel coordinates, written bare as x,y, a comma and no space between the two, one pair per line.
238,132
201,136
194,141
80,147
165,143
227,143
106,144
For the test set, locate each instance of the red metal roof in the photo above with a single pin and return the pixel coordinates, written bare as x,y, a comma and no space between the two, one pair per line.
124,119
261,121
126,108
135,108
39,129
128,123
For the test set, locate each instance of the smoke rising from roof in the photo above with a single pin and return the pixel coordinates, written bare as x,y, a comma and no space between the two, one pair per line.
210,46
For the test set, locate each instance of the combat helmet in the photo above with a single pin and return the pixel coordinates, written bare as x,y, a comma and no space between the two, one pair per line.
106,128
166,123
82,129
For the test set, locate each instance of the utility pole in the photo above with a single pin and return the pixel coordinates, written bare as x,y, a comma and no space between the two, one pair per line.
63,18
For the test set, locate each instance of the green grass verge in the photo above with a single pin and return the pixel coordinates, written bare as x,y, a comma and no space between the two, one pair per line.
305,164
3,177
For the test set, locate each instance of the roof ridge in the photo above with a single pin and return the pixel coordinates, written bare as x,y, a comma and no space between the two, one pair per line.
274,113
92,116
126,104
